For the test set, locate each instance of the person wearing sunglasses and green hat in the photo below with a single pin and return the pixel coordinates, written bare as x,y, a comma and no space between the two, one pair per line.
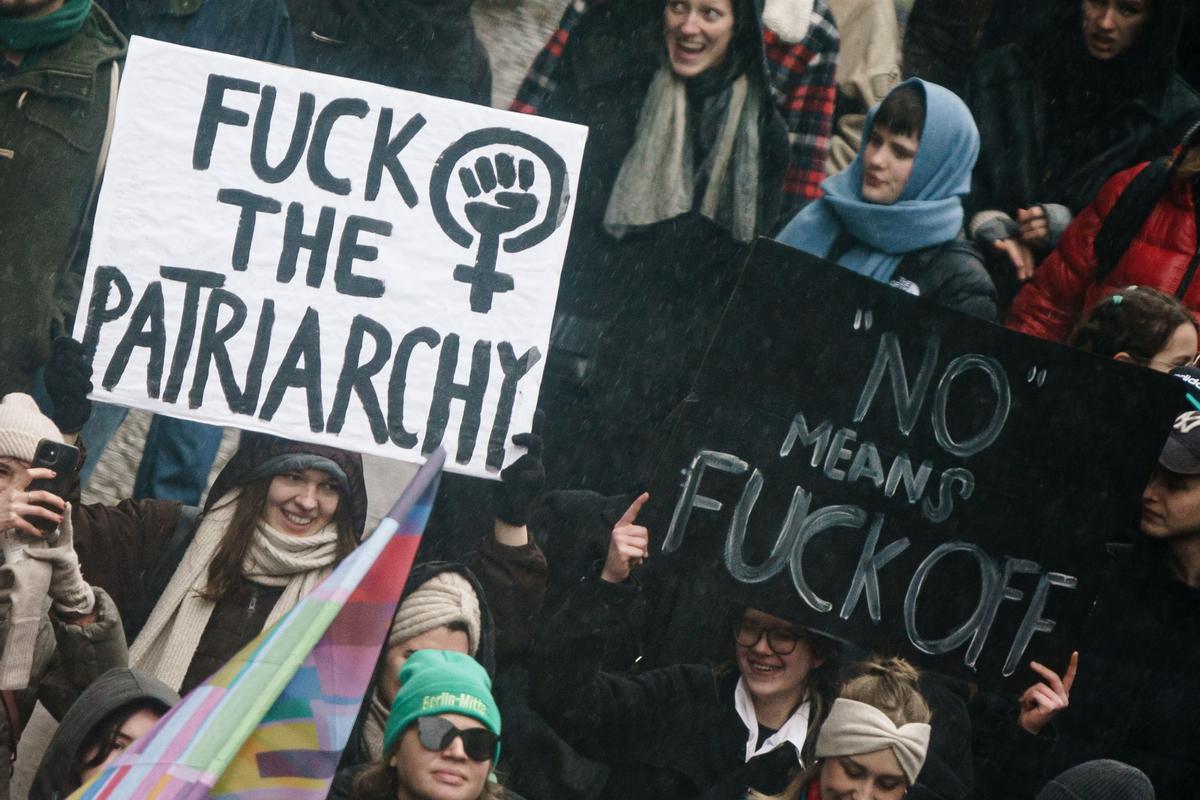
442,739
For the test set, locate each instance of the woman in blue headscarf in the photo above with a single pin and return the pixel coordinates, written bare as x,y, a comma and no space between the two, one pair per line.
895,214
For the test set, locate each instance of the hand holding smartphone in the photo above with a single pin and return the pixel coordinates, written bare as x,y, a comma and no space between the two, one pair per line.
53,469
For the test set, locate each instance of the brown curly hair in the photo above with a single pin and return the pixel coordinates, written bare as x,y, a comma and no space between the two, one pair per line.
1136,320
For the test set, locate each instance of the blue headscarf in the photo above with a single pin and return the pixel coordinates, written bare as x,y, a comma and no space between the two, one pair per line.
928,212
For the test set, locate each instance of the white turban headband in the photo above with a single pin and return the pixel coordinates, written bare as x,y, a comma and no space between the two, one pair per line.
443,599
853,728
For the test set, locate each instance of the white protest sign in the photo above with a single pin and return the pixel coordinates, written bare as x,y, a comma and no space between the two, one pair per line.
326,259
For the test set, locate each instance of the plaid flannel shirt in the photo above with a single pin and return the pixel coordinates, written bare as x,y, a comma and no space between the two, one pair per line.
802,85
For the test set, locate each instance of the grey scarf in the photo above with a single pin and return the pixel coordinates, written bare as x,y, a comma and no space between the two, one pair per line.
659,176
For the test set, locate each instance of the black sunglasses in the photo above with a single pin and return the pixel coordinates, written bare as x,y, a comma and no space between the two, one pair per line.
436,734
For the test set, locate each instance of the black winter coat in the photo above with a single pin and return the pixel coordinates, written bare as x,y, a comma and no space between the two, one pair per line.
1137,695
426,46
634,314
1009,105
602,83
572,529
668,733
952,274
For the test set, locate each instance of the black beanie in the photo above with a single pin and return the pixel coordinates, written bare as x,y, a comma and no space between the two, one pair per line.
1103,779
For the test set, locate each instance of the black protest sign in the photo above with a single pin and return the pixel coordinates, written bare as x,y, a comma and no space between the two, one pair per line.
902,475
326,259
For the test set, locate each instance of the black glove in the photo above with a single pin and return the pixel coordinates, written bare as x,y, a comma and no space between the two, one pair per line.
522,482
68,381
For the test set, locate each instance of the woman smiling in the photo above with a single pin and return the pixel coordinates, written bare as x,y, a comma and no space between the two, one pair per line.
686,730
874,742
193,591
709,125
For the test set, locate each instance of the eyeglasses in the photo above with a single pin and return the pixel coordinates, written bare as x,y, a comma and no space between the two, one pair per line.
436,734
782,641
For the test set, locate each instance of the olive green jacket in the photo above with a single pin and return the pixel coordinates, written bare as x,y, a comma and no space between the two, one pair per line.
54,117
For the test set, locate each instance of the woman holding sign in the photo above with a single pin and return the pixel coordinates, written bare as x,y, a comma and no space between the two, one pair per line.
683,730
194,590
896,213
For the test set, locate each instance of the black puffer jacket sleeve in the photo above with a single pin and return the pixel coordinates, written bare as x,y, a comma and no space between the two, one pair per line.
953,275
82,654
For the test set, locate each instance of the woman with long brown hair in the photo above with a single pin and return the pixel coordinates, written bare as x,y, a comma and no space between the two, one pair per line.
278,518
1139,325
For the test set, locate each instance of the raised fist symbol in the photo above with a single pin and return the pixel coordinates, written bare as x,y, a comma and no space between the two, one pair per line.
515,207
500,200
494,214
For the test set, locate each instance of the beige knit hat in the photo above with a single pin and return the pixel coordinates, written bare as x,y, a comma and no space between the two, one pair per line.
445,598
22,426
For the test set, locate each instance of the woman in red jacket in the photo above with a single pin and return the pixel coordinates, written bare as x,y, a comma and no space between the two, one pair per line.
1141,229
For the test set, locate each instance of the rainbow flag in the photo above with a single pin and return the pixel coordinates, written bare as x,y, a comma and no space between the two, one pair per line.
273,722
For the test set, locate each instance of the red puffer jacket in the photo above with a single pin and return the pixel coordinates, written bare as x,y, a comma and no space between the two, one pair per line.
1163,255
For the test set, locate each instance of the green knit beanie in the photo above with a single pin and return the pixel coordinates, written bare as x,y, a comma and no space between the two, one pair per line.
436,682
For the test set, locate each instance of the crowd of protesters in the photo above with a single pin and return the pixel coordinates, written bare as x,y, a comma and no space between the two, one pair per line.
1034,165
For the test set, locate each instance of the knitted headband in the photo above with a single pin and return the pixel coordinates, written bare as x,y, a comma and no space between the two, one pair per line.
853,728
22,426
445,598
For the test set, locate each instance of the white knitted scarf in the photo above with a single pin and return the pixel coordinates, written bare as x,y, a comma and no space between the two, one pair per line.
167,643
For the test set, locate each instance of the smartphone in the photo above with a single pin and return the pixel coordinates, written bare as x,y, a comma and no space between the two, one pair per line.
64,460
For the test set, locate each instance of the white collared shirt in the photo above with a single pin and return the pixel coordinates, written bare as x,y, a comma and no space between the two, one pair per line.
795,730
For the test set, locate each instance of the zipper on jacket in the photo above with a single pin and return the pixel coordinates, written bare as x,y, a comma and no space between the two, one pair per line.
1195,262
247,633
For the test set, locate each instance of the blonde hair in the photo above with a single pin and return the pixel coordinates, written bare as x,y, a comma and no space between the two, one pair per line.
889,684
